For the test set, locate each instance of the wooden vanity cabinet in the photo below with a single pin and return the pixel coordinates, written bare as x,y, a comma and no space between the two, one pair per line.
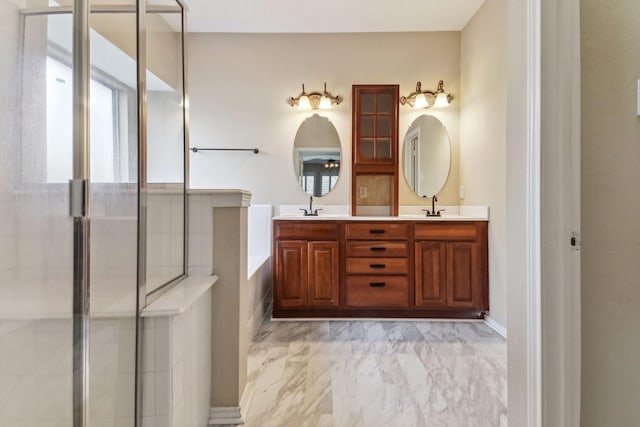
306,265
346,268
377,265
451,266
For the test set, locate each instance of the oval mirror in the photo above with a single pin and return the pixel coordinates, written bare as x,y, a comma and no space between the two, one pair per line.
426,156
316,156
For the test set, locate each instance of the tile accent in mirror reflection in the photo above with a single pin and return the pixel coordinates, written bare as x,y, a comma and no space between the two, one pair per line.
370,374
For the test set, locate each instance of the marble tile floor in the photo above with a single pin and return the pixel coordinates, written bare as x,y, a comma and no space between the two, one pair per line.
376,374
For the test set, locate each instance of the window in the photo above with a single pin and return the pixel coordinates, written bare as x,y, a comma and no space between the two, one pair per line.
307,183
108,149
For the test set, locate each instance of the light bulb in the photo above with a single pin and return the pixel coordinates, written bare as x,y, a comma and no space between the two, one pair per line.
325,103
421,101
304,103
441,100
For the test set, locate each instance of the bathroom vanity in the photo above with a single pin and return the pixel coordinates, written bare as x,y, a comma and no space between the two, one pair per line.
380,267
378,262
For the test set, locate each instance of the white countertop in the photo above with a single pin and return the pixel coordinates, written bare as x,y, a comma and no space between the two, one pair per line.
379,218
407,213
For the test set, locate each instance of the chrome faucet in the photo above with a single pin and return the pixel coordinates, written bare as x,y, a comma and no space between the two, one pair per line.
310,212
433,212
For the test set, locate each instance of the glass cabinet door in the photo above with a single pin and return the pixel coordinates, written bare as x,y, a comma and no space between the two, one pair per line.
376,117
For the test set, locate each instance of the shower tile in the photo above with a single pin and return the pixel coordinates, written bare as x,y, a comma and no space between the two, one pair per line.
8,255
16,397
69,423
31,254
195,250
162,349
54,353
149,350
177,214
53,399
178,382
125,393
196,217
149,394
163,393
19,341
126,350
102,395
125,421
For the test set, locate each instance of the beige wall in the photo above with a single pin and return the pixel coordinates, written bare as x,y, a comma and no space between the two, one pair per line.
610,208
239,84
483,109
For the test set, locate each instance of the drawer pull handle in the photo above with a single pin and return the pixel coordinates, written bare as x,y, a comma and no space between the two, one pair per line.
377,265
377,284
378,249
376,231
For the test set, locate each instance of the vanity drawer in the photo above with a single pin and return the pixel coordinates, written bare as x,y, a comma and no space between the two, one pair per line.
377,291
358,248
465,231
376,231
377,266
305,230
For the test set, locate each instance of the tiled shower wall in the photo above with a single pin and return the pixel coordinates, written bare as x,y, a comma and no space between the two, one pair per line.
177,367
35,372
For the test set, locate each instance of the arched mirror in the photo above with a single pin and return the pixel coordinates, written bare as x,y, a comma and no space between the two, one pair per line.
426,156
316,156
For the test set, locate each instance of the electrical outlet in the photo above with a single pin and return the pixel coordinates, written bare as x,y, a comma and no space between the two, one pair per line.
363,192
461,192
638,96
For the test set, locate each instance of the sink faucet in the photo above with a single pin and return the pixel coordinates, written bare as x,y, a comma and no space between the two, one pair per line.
310,212
433,212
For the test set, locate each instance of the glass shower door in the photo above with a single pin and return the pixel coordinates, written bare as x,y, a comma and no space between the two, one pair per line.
114,215
45,345
36,263
73,229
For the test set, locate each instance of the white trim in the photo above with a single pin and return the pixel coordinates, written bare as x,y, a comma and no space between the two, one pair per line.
500,329
561,126
225,415
533,264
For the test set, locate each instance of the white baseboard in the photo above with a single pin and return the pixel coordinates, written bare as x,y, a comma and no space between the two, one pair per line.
225,415
491,322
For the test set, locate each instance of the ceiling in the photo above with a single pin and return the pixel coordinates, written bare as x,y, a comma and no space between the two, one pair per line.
329,16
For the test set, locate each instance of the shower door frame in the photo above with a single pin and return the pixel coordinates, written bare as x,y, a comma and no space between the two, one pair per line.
80,185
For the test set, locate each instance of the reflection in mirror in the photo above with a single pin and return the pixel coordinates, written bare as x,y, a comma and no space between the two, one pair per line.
427,156
317,156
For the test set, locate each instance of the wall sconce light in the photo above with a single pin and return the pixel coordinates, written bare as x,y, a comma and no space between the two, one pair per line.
315,100
427,98
331,164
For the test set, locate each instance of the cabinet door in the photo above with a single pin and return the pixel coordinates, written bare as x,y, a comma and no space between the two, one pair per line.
430,272
464,289
291,274
323,274
375,124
